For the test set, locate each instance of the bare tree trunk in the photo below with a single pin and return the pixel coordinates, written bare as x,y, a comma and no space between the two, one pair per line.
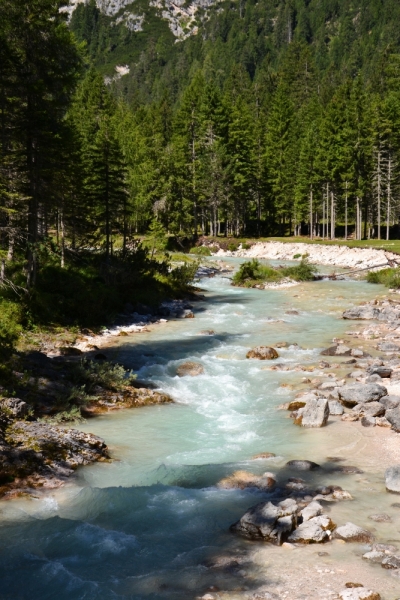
357,218
332,217
62,240
379,183
389,191
311,213
323,218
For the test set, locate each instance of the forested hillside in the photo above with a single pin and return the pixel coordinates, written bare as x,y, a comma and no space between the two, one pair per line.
274,115
277,113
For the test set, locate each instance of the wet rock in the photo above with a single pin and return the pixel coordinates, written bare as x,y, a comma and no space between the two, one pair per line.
190,368
338,350
373,379
368,421
350,395
309,532
364,312
357,374
296,404
243,479
393,416
352,533
387,548
359,593
382,422
374,556
380,518
335,408
302,465
263,353
315,413
390,401
350,417
347,470
100,356
263,455
207,332
70,351
392,479
391,562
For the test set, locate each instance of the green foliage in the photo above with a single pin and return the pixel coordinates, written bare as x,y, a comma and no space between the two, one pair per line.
181,277
388,277
252,272
10,326
89,374
201,250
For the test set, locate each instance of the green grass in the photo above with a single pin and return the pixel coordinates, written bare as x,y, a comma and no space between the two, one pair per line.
388,277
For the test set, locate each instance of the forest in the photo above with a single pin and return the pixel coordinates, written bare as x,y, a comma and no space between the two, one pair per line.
279,117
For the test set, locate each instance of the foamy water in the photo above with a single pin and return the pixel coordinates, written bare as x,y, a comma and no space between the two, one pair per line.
144,526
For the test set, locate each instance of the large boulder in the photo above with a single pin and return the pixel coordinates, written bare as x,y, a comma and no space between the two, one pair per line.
190,368
392,479
365,312
263,353
391,562
335,408
383,371
268,521
352,533
314,509
338,350
373,409
393,416
315,413
350,395
243,479
388,347
14,408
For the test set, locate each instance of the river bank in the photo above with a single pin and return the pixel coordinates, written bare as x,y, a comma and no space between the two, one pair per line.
165,484
328,255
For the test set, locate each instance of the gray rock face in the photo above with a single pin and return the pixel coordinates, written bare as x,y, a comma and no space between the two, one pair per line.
335,408
302,465
393,416
314,509
315,413
390,401
392,479
352,533
350,395
338,350
374,556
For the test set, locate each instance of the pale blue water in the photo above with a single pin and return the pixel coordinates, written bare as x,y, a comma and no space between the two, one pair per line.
143,526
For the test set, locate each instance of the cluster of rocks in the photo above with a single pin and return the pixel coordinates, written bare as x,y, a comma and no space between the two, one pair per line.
35,454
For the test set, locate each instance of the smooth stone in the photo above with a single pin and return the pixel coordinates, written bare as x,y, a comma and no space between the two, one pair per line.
391,562
314,509
374,556
388,347
382,371
302,465
368,421
308,533
352,533
338,350
380,518
359,593
263,455
190,368
263,353
392,479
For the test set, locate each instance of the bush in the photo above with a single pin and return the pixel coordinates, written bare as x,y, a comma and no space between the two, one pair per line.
183,276
302,272
201,251
87,375
10,326
252,272
388,277
233,246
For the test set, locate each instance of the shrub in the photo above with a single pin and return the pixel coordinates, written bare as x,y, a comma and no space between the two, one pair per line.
251,272
201,251
233,246
388,277
182,276
302,272
10,326
89,374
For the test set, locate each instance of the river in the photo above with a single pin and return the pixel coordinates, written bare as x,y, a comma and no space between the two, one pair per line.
146,525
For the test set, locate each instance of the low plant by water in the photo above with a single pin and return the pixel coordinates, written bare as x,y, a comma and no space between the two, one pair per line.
252,273
389,277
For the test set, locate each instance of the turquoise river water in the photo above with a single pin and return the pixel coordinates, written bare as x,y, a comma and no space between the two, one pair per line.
145,526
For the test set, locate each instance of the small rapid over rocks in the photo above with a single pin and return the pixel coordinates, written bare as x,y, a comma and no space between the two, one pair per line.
154,524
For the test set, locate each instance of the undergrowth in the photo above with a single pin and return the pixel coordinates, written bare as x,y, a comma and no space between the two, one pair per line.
389,277
252,272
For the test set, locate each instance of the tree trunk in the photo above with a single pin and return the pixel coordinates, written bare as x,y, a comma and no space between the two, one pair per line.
345,215
332,217
311,213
